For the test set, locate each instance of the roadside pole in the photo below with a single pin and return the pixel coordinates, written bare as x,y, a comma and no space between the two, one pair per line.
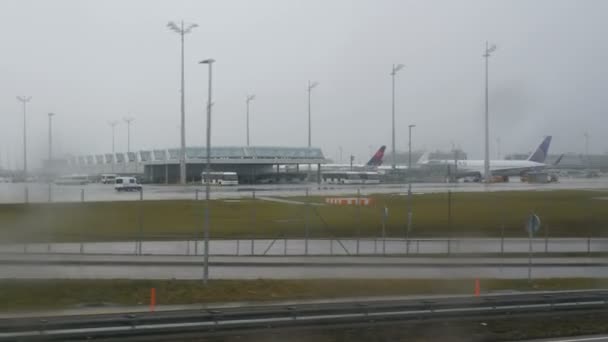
449,222
140,221
358,218
253,226
306,226
530,256
82,230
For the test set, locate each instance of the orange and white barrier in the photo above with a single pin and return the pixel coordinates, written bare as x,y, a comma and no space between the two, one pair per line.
349,201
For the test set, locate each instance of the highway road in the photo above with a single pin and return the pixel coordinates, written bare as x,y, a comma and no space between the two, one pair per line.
19,266
37,192
376,246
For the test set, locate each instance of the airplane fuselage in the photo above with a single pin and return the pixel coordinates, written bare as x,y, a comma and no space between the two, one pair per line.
497,167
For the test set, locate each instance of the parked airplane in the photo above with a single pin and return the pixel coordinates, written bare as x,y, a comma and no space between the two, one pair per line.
503,168
372,165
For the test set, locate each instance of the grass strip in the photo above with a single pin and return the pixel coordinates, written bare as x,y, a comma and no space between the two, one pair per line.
54,294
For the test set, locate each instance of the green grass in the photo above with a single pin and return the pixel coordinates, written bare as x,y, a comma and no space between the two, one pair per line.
48,294
563,213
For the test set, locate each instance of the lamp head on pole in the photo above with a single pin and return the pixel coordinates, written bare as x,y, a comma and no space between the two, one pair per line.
24,98
412,126
397,68
250,98
312,85
489,49
176,28
207,61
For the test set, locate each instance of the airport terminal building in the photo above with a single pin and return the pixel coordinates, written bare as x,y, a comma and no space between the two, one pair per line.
252,164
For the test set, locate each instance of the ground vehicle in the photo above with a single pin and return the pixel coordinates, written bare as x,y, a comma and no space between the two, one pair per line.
221,178
126,184
74,179
370,177
108,178
351,177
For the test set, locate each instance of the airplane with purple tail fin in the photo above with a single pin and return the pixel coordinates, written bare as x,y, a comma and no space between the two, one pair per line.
376,160
504,168
377,157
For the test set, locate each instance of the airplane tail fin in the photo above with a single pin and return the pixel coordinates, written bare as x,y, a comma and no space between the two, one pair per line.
423,158
377,157
541,152
558,160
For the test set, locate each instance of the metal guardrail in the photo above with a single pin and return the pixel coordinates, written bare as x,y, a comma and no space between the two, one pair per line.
211,321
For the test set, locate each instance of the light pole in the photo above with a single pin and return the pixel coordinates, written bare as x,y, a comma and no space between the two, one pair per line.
24,100
51,139
207,171
498,148
396,68
182,31
588,161
311,86
128,121
248,100
113,125
409,174
486,161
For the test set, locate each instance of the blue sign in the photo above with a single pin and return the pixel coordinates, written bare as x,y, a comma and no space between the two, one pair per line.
533,224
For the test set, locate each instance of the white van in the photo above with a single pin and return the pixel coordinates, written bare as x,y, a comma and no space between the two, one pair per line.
108,178
126,184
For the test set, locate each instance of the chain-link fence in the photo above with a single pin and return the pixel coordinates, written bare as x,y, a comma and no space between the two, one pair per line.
307,222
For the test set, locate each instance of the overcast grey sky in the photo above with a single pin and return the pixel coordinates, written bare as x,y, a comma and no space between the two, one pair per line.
95,61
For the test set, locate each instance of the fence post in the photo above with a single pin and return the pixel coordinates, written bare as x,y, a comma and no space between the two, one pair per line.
384,214
546,239
196,194
285,246
81,195
502,239
589,242
50,199
26,195
331,246
238,246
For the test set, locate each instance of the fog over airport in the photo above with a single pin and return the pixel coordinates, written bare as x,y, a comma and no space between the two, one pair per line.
91,62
